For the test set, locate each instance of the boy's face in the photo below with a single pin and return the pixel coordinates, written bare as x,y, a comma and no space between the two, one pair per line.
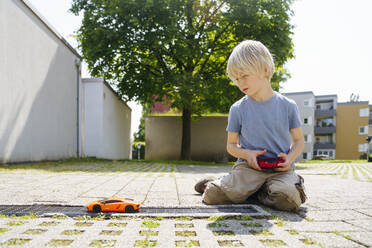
250,84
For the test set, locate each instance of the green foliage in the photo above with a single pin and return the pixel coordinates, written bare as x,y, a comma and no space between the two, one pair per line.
179,48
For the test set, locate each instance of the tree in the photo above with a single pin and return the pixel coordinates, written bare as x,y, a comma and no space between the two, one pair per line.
179,48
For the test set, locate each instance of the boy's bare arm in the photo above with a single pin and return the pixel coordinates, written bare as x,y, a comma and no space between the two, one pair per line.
297,145
296,149
249,155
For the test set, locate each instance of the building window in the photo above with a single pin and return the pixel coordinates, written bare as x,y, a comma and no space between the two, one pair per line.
308,103
304,155
364,112
363,130
362,147
307,138
331,154
308,121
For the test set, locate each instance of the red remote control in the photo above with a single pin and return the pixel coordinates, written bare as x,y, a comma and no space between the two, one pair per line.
269,162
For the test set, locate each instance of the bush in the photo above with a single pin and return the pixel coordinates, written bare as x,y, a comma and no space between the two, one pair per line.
363,156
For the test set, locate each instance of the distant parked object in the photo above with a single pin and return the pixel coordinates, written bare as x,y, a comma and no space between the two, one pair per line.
369,149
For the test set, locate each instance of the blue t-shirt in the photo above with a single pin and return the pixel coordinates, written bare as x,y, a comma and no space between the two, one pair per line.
264,125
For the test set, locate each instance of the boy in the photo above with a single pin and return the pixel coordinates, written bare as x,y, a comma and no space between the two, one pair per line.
264,122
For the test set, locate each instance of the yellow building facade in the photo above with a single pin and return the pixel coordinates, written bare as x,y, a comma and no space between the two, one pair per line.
352,128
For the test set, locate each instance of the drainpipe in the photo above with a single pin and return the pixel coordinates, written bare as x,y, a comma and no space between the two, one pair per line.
78,71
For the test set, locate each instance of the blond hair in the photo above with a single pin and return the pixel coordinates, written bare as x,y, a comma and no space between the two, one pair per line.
250,57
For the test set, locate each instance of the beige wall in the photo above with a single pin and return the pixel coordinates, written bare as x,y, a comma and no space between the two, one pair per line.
208,138
347,130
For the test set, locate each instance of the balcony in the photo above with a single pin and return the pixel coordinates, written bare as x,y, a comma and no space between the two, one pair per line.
324,129
325,112
321,145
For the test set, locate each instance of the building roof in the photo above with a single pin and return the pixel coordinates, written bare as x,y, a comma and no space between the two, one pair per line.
52,30
299,93
101,79
350,103
321,96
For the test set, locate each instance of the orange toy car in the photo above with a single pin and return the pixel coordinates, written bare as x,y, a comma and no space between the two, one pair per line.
114,204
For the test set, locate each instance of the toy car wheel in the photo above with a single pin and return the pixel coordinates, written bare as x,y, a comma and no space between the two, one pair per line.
129,209
96,208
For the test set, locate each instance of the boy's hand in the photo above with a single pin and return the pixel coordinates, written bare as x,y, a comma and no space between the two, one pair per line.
252,158
283,166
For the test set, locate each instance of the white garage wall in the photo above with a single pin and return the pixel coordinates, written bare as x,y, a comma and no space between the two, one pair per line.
107,122
92,127
116,126
38,88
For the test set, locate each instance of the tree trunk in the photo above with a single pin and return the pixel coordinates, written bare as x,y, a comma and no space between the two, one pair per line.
186,133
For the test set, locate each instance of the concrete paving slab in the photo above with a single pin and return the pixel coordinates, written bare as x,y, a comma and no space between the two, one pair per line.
337,213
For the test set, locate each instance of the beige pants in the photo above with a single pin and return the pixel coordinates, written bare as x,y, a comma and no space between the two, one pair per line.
281,190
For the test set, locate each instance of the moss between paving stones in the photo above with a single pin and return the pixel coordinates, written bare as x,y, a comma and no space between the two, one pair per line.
117,224
308,241
59,217
16,241
145,243
148,233
150,224
103,243
216,225
3,230
19,217
187,243
183,218
263,232
35,231
83,224
100,217
16,223
223,233
59,242
244,217
251,224
72,232
292,232
110,232
183,225
185,233
154,218
49,223
234,243
271,242
217,218
280,223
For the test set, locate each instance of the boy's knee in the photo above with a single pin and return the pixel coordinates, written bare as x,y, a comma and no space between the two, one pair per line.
213,195
282,196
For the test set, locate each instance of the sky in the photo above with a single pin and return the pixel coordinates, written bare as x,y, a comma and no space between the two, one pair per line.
332,45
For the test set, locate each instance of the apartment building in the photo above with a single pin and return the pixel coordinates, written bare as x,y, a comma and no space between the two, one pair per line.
332,129
370,121
325,125
306,106
352,129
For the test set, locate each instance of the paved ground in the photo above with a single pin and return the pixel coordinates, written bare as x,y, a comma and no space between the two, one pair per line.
338,212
